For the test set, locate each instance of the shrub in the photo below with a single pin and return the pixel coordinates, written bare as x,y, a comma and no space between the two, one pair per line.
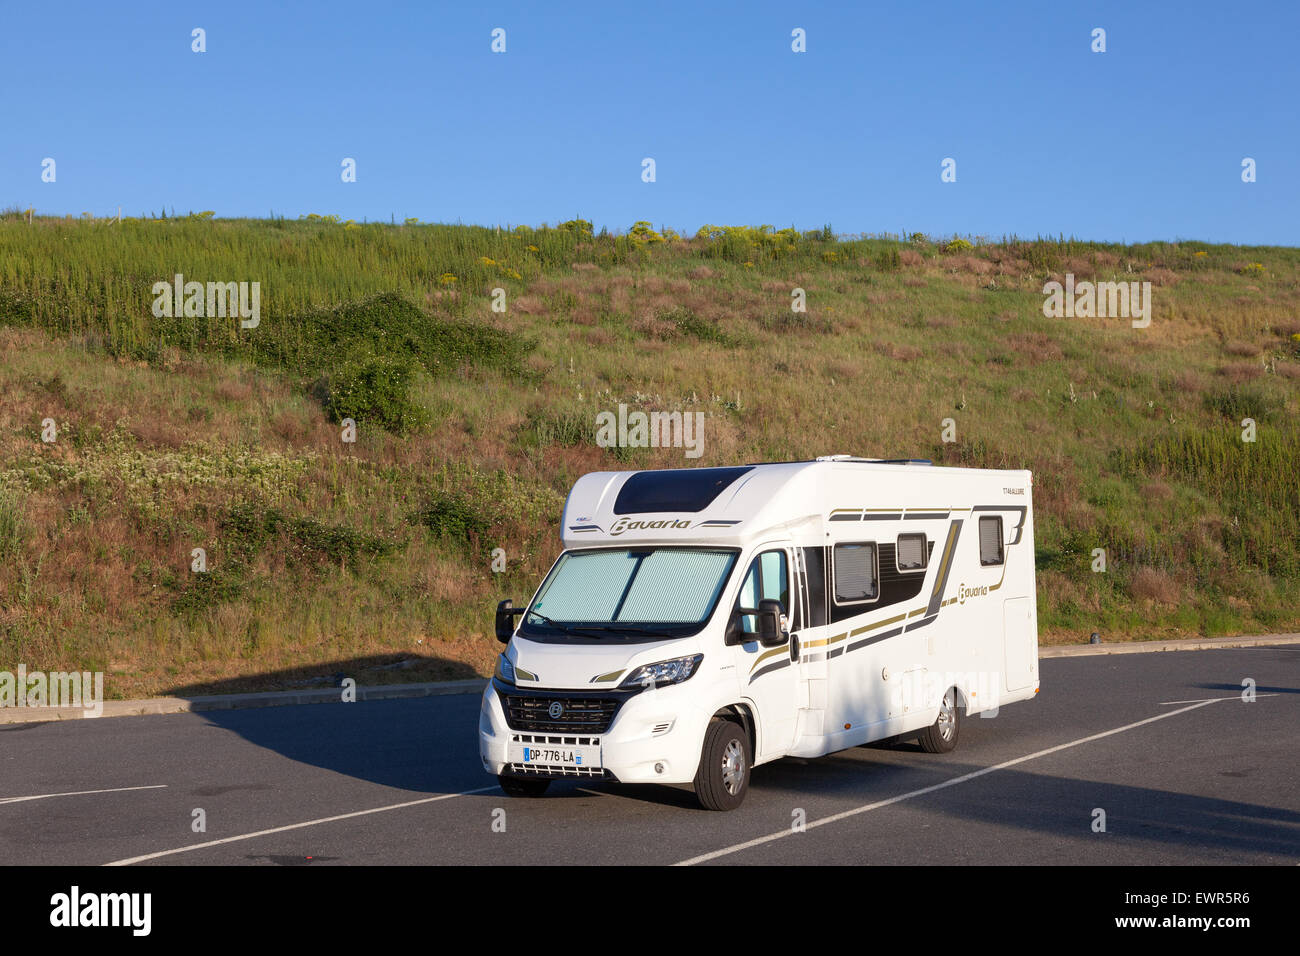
578,227
201,592
887,260
743,244
454,516
688,323
642,231
248,528
362,355
373,389
1238,403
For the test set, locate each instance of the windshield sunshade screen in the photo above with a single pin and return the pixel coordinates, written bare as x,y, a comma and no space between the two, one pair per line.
665,586
680,489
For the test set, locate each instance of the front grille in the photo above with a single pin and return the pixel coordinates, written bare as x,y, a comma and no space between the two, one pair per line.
560,739
548,770
579,715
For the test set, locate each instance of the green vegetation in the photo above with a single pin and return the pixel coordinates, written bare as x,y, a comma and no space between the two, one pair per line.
181,433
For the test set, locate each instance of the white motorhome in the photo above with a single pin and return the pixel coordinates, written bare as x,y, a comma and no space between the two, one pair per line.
703,621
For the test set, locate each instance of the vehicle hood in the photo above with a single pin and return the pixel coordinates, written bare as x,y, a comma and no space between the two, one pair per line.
594,666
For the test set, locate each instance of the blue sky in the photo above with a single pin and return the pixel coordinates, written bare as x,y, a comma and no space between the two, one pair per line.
1144,141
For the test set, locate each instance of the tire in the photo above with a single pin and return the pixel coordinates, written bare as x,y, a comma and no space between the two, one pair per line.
941,736
722,779
523,786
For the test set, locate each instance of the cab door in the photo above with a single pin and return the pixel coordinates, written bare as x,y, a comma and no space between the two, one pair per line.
768,678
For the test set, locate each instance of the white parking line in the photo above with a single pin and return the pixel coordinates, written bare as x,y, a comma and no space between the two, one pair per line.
706,857
1206,700
80,793
297,826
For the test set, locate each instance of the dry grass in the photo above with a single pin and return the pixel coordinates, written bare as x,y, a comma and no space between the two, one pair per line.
100,561
1239,372
1242,349
1154,584
898,353
1037,346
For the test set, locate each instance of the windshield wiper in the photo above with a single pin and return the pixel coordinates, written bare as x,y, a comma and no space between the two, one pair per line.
632,629
616,628
566,628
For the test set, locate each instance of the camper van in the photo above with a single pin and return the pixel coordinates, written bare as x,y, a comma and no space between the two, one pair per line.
701,622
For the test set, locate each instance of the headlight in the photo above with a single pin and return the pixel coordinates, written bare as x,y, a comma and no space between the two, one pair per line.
505,671
665,672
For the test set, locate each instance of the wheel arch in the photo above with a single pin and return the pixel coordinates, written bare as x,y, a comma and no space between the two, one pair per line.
743,714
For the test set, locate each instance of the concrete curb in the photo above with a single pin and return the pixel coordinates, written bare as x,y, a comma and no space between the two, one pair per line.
333,695
178,705
1186,644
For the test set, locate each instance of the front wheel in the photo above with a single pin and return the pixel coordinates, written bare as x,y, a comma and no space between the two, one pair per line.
523,786
941,736
722,780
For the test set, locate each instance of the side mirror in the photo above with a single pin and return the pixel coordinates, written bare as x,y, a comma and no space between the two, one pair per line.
769,624
505,621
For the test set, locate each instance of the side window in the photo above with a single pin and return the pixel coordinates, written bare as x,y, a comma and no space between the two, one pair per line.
776,581
814,586
912,552
857,573
990,541
768,577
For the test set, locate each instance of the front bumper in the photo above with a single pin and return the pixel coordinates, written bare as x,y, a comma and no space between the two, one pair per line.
654,737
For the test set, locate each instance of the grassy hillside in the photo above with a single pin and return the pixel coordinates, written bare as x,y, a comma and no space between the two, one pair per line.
373,559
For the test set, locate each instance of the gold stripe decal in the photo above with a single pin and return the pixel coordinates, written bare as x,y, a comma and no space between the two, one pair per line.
772,653
872,627
941,579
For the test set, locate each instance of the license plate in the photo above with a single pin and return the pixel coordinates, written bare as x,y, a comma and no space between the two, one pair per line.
555,755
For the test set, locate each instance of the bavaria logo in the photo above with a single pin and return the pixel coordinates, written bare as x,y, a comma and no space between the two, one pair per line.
623,524
557,710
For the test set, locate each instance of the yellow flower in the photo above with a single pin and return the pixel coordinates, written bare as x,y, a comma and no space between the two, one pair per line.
447,279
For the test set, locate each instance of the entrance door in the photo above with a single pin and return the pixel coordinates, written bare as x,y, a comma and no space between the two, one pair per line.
770,680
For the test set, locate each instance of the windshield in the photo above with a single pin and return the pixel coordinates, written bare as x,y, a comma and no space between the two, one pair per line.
630,593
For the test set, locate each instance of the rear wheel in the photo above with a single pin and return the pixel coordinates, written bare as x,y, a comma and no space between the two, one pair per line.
941,736
722,780
523,786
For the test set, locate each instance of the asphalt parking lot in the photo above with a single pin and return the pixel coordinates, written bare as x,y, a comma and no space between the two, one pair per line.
1184,771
